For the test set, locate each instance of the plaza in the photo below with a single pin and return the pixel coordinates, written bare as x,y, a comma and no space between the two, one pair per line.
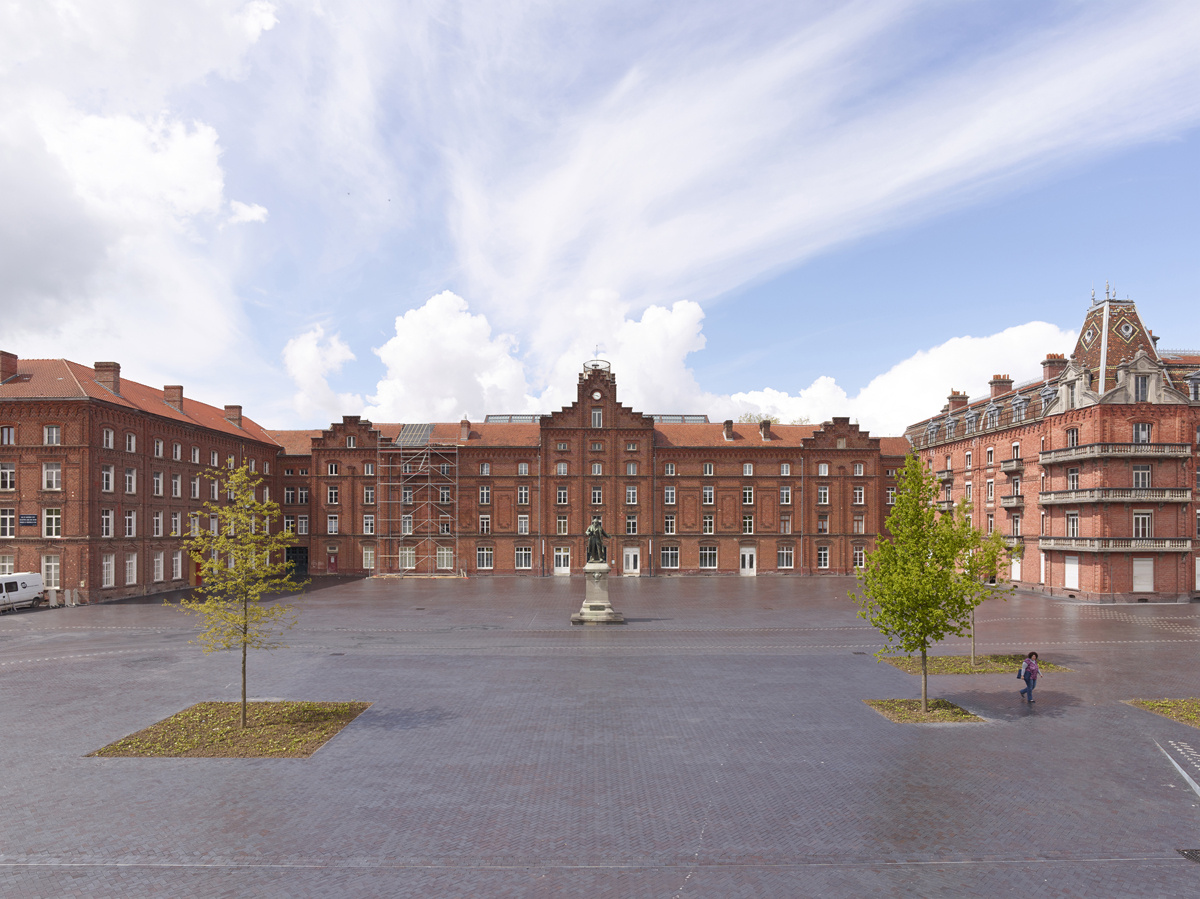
716,746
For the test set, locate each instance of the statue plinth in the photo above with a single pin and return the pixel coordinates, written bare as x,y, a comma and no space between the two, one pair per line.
596,606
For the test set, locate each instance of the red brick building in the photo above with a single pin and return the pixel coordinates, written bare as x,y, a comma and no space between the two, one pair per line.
1091,470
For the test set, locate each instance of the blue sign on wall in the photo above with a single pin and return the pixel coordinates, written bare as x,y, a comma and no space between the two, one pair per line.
28,520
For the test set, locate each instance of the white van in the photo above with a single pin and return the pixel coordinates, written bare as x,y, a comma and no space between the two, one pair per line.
20,590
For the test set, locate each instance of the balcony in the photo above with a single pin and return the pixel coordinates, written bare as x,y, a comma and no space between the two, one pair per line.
1115,545
1115,495
945,505
1015,501
1118,450
1009,465
1014,542
947,475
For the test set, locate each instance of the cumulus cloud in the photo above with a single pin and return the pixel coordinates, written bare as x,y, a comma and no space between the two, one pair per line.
245,212
310,358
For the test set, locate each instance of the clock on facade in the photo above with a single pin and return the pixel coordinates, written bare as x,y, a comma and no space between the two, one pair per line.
596,394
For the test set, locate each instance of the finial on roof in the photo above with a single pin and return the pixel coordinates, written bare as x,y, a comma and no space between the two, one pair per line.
1106,289
1093,293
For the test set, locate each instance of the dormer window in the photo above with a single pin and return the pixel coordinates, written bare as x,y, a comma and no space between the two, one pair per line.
1141,432
1141,388
971,419
951,427
991,417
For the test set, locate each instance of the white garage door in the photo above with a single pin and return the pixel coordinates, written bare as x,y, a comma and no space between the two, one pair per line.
1143,575
1071,572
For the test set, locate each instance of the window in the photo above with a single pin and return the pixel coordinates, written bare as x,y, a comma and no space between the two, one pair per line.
523,495
561,469
212,524
523,469
8,475
785,496
368,524
485,524
631,447
106,438
331,495
631,495
823,469
822,496
289,523
990,453
196,487
301,524
406,525
669,470
631,469
445,558
1141,477
968,491
822,556
213,489
406,495
130,523
708,557
706,495
991,522
485,495
176,486
891,496
156,483
597,418
597,447
176,524
1016,451
108,569
597,496
406,468
407,557
860,557
52,476
747,524
444,524
52,523
669,524
669,495
1141,433
8,436
784,557
351,442
522,524
485,468
177,564
8,522
523,557
822,524
785,469
331,524
131,480
1141,388
1072,524
332,468
130,569
561,525
443,494
561,447
1073,437
1072,478
747,469
156,524
597,469
561,496
785,524
1016,525
858,469
708,469
369,558
706,525
631,524
669,557
158,566
131,443
860,524
158,452
196,455
106,522
860,495
991,490
747,496
176,451
52,435
967,464
1143,525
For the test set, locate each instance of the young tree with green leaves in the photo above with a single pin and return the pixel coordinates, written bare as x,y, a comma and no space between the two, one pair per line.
242,557
922,584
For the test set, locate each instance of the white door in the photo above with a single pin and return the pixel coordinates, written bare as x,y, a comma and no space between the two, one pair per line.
1042,576
747,567
1198,572
562,560
1071,572
630,568
1015,575
1143,575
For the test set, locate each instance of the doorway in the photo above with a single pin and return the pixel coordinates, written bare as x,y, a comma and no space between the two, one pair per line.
332,567
1143,575
746,566
632,555
562,560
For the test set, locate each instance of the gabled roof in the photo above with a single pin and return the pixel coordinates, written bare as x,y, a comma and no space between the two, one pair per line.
744,434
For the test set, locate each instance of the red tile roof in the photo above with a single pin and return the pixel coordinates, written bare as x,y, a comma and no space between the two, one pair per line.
743,434
894,446
295,443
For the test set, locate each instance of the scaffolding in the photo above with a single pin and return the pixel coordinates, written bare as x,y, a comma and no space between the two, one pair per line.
418,482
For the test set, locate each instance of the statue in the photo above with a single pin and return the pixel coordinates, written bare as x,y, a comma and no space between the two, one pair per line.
596,549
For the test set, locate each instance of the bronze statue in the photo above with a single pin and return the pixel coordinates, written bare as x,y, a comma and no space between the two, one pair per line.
597,551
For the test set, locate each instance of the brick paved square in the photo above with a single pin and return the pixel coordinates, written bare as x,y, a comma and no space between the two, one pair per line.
717,746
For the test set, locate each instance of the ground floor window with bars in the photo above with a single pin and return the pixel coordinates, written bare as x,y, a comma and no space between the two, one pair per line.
784,557
523,557
445,558
708,557
669,557
51,571
407,558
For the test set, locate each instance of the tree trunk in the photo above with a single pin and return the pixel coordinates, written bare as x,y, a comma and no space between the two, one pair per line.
244,613
972,637
924,684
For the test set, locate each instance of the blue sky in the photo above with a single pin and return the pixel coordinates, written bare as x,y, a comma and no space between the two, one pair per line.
422,210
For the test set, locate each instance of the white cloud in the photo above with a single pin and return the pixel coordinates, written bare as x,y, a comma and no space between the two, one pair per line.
245,212
310,359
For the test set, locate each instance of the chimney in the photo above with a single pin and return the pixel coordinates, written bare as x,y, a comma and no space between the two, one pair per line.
233,415
8,366
464,430
1000,384
173,396
728,429
956,401
108,375
764,428
1053,365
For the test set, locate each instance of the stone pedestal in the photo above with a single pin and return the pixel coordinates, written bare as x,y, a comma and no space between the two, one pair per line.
596,607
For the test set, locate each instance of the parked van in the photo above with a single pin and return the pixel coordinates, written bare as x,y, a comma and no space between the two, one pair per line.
20,590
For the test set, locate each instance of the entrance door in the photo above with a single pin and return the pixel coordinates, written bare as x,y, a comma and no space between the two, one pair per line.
746,566
1143,575
562,560
630,567
332,567
1071,572
1015,574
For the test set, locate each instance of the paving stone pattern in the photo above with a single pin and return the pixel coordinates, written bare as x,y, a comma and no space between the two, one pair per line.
716,746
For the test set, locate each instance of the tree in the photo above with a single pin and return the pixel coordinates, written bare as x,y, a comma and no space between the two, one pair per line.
922,584
241,558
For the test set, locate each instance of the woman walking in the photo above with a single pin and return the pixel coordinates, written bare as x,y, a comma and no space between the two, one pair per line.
1029,672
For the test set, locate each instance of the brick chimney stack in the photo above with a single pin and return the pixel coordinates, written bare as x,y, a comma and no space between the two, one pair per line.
464,430
1000,384
8,366
727,429
956,401
173,396
233,415
108,376
764,428
1053,365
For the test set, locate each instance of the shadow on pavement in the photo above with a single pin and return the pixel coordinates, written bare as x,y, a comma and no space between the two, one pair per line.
1007,705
